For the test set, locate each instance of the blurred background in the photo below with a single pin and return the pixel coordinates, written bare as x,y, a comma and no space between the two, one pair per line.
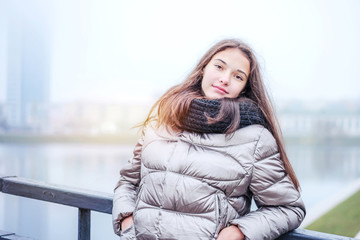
76,76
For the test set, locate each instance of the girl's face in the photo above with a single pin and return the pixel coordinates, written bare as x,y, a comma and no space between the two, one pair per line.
226,74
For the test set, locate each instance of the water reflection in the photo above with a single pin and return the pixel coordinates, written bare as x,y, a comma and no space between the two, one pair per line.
322,170
92,167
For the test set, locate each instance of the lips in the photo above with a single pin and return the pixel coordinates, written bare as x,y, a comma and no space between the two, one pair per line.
220,89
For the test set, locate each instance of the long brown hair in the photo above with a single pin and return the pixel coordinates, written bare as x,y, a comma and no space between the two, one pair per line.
174,104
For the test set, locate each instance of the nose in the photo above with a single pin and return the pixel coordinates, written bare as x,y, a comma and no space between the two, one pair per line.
225,79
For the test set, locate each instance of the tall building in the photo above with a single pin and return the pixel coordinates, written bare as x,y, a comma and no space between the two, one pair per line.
28,62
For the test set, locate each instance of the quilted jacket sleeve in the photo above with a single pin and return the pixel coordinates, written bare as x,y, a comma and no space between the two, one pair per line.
125,190
280,207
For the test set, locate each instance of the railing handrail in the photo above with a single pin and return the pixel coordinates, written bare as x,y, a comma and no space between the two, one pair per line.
87,201
70,196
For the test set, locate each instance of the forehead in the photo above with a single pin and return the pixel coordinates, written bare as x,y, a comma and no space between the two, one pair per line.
234,58
231,53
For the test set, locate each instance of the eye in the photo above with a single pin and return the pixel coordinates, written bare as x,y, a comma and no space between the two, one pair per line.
238,77
218,66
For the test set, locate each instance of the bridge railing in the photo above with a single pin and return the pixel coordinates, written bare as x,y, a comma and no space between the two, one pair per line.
87,201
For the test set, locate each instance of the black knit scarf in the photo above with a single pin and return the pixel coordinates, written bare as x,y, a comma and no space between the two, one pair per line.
196,120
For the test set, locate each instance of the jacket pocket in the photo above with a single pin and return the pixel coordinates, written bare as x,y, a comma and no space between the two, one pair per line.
128,233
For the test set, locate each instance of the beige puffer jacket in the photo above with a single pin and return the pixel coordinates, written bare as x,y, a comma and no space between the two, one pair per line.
191,186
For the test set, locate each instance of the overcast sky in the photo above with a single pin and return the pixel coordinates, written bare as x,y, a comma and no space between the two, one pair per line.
107,51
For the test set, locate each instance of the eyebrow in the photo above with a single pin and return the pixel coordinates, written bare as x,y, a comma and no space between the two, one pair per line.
240,71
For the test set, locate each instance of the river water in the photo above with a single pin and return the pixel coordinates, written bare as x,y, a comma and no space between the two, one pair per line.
322,170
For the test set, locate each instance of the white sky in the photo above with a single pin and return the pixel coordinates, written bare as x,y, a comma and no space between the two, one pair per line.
107,51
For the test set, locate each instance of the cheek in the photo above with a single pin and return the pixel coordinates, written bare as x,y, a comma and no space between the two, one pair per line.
203,84
210,73
237,89
207,79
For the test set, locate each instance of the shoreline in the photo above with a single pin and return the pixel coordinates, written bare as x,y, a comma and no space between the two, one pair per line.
43,139
336,198
132,137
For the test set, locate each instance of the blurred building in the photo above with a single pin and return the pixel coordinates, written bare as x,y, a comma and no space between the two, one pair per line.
299,120
331,120
28,62
341,119
95,119
3,124
301,125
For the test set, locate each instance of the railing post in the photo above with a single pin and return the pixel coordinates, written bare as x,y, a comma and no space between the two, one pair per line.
84,224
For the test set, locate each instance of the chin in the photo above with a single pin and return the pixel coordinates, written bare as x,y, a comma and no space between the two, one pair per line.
214,98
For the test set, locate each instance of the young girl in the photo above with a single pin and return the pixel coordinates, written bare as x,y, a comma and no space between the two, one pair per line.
209,146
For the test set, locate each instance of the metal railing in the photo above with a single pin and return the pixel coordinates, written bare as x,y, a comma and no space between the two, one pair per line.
87,201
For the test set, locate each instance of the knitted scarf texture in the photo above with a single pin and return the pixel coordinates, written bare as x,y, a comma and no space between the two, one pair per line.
196,120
